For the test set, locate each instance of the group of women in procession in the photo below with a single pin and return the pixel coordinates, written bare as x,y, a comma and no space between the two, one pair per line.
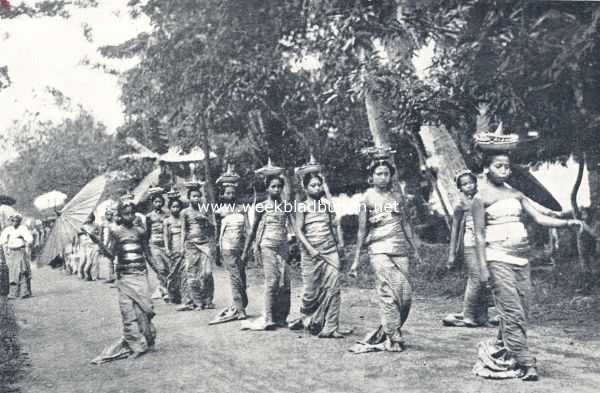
180,248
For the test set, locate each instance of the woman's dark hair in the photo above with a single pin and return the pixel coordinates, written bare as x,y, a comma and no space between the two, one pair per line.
192,190
309,176
92,217
225,186
488,157
159,197
124,205
470,174
174,201
270,178
376,164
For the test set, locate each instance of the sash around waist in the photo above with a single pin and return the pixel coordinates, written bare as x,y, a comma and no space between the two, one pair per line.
133,266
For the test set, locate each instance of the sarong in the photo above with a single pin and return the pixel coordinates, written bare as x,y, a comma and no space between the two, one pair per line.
477,296
507,249
395,298
175,277
19,272
512,294
272,253
277,283
475,304
236,269
321,296
199,286
105,267
139,333
90,266
159,262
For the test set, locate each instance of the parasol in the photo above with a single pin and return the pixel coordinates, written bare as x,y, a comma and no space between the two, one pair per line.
175,155
140,192
71,217
521,179
50,200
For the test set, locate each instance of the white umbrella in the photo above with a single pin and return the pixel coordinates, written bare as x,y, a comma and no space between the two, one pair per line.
175,155
50,200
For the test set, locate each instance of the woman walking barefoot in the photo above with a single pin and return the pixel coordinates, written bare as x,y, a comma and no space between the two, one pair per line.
174,247
502,249
159,259
232,222
197,231
475,304
270,228
320,261
128,245
89,267
380,227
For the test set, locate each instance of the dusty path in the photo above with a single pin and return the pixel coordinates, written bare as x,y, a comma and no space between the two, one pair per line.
69,321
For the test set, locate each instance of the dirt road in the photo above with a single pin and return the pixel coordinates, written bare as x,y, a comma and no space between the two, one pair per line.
69,321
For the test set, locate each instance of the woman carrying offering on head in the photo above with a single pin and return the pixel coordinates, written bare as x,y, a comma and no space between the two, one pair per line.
159,260
320,261
270,228
380,228
197,230
502,248
232,221
128,247
174,247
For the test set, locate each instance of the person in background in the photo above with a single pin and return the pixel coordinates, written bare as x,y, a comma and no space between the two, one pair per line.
174,247
105,230
16,241
197,231
321,295
475,304
159,260
270,229
232,222
89,268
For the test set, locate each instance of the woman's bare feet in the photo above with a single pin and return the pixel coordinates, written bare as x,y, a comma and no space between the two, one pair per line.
393,346
185,307
530,374
335,334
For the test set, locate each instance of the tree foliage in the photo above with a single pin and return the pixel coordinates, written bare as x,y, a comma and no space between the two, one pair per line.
534,63
60,157
228,69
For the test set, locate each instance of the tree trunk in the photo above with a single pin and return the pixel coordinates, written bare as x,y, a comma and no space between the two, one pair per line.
439,144
575,190
209,186
376,124
592,160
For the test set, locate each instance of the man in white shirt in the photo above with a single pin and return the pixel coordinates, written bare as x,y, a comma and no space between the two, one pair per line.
16,240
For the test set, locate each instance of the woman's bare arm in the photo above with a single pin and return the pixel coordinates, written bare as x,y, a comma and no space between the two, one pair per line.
545,220
478,212
298,225
257,217
454,233
360,238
